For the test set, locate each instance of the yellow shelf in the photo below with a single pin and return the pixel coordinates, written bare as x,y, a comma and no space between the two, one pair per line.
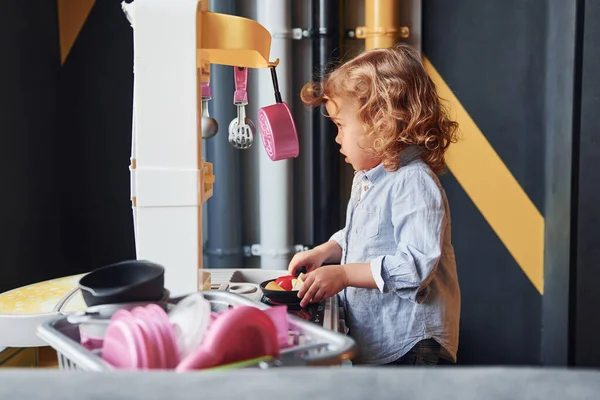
231,40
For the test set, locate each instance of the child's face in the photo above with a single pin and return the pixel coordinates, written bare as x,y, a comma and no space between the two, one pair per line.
351,134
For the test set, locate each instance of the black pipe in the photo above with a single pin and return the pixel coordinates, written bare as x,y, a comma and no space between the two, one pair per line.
326,158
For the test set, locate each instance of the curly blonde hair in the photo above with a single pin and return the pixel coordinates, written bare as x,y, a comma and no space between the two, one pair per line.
398,104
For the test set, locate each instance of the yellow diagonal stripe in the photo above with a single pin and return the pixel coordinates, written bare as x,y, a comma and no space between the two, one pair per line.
71,17
494,190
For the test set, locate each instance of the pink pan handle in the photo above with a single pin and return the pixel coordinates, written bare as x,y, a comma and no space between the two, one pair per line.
206,92
278,99
279,317
241,82
90,343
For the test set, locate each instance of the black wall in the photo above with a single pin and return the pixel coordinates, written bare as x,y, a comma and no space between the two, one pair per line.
30,238
526,71
497,73
94,131
66,133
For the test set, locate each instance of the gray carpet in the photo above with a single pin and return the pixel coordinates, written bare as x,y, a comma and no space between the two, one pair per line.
307,384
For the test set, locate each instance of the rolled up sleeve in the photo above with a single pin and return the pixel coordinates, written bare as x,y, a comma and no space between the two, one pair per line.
418,218
338,237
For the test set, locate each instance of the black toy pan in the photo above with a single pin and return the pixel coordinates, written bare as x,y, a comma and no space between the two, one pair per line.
125,282
282,296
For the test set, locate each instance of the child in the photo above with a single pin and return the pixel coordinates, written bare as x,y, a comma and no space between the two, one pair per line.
397,275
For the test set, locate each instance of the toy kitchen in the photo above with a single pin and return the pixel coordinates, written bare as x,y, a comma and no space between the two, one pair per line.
169,178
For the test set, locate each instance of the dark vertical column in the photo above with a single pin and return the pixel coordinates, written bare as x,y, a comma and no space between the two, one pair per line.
29,217
562,108
586,318
302,72
224,240
326,166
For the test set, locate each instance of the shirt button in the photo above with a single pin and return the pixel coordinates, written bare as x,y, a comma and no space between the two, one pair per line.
366,187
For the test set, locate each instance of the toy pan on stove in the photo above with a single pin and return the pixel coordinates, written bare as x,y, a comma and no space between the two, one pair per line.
309,343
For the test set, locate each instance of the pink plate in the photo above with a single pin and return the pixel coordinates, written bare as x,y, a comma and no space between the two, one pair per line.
149,340
121,314
168,335
155,348
124,345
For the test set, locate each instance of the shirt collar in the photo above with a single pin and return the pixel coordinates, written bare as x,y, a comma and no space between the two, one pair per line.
408,155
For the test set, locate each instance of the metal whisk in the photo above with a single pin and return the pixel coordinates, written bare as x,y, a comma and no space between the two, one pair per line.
241,129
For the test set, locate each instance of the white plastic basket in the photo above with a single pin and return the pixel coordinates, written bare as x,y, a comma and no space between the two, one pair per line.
311,343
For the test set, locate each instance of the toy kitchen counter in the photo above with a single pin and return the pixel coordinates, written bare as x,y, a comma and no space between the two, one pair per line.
23,309
246,282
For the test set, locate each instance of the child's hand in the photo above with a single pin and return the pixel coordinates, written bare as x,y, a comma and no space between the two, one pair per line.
310,259
322,283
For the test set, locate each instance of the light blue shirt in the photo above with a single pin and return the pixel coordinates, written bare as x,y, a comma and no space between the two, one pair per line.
399,222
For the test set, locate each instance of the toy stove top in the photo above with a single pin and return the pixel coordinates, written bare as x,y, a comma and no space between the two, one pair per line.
246,283
313,313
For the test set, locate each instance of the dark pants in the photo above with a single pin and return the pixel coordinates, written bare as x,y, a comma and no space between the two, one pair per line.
425,353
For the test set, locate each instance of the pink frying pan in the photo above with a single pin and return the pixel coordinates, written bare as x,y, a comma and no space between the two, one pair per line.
241,333
277,128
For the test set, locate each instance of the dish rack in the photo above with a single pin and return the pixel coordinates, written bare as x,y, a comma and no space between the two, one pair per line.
311,344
